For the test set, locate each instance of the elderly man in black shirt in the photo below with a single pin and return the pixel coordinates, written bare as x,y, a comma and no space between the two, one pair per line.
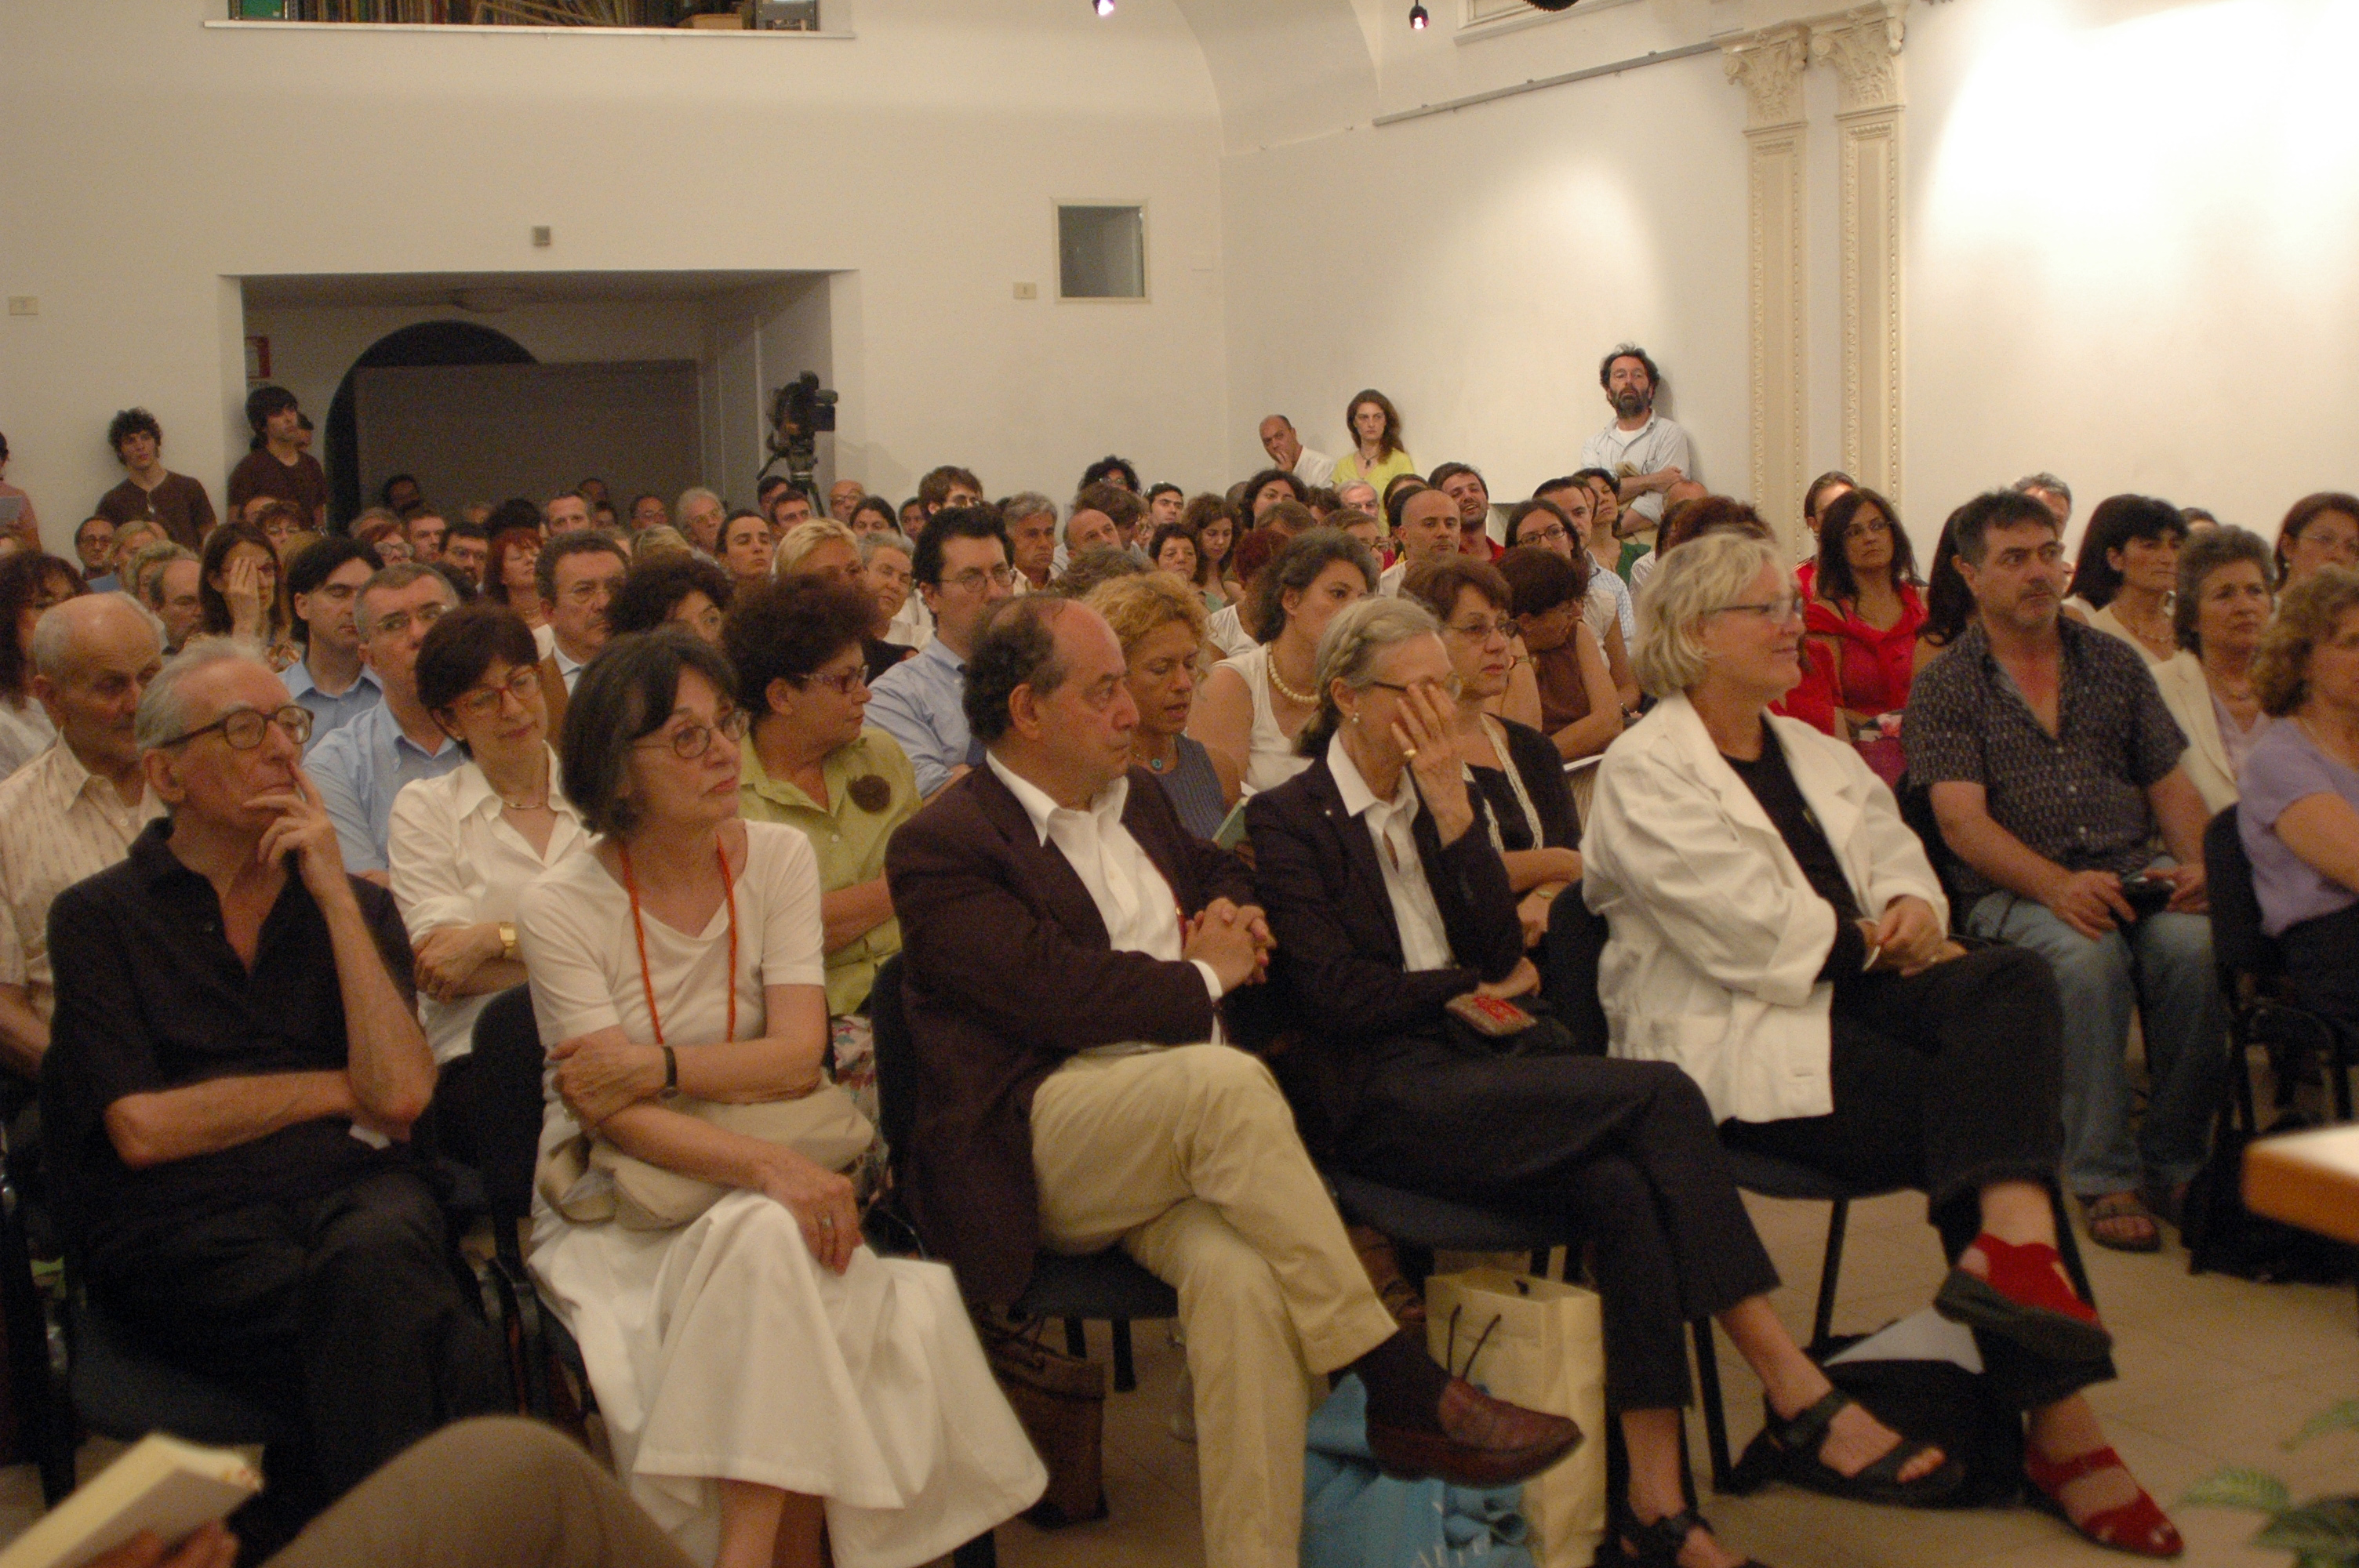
235,1063
2053,768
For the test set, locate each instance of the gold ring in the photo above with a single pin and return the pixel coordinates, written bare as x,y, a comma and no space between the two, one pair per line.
1409,753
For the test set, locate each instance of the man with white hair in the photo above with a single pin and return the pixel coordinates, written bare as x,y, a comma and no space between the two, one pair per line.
73,810
699,515
235,1067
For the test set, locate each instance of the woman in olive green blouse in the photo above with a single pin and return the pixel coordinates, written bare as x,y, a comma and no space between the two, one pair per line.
796,646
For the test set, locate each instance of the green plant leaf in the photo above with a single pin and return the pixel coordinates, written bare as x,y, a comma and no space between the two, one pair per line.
2328,1527
2343,1417
2239,1487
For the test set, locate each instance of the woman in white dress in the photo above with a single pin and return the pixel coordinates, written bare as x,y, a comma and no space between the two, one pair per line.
1255,703
761,1373
462,848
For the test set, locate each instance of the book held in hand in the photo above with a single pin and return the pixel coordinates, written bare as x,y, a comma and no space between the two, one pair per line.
160,1484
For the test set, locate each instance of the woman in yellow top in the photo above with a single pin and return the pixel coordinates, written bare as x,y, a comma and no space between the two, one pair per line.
795,646
1379,458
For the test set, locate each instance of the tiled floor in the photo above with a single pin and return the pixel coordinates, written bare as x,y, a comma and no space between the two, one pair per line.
2214,1371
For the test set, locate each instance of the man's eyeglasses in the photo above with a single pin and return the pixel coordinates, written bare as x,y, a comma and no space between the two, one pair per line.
842,685
400,621
243,728
483,702
690,741
974,578
1780,609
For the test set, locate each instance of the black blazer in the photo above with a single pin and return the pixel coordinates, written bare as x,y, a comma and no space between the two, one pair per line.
1338,966
1008,972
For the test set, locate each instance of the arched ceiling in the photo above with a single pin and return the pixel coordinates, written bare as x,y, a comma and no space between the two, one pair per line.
1285,70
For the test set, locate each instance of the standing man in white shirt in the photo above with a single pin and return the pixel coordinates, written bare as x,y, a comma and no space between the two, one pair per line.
1645,453
73,810
1287,450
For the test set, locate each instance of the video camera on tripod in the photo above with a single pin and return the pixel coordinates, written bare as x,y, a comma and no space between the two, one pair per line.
799,412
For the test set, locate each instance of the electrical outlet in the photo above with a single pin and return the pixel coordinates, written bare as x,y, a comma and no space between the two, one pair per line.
24,305
541,234
1027,291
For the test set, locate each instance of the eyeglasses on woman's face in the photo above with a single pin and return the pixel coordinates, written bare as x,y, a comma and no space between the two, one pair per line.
1778,611
1450,687
483,701
243,728
844,683
692,739
1482,629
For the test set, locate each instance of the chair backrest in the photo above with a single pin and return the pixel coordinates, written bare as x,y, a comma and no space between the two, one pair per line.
507,1092
895,1058
1576,943
1916,803
2239,947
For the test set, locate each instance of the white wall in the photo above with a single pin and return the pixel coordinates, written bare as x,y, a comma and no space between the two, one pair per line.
150,157
2130,228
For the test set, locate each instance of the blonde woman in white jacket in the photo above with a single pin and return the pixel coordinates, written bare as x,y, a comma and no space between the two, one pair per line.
1778,933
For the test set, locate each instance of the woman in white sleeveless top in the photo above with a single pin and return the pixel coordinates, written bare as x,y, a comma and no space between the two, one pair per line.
1257,702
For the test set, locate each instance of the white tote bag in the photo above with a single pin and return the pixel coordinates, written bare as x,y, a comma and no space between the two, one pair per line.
1540,1345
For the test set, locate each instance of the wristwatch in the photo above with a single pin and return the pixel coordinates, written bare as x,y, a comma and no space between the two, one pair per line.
670,1090
508,940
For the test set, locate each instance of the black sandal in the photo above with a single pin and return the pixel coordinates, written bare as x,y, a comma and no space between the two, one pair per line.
1656,1545
1796,1444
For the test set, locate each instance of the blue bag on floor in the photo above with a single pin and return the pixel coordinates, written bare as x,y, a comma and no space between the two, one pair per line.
1355,1517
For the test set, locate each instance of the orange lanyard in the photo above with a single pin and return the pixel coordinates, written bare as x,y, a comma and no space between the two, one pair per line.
639,929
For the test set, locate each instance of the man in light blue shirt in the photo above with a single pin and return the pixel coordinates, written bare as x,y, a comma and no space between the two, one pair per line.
362,767
332,679
961,571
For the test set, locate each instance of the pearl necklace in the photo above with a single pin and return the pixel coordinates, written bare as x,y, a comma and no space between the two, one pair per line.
1299,698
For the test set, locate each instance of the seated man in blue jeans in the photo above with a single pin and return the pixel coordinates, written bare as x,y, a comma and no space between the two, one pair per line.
2053,765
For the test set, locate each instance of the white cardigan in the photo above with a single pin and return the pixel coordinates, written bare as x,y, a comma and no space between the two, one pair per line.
1717,936
2188,695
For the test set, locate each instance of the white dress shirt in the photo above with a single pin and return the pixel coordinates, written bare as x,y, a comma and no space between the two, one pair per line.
59,823
1653,447
1140,910
1314,468
1425,941
456,860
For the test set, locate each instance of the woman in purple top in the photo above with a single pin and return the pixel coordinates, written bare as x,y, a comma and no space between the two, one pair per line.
2298,810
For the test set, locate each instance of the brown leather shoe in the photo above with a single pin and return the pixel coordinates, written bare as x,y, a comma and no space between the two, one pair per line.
1482,1441
1382,1265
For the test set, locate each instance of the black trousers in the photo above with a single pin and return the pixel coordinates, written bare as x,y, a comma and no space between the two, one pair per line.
1625,1149
2322,959
1946,1081
341,1313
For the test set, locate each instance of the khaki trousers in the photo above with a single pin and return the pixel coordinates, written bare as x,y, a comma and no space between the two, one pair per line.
491,1493
1188,1159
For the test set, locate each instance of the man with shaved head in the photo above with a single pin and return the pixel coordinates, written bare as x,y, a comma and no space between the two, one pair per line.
73,810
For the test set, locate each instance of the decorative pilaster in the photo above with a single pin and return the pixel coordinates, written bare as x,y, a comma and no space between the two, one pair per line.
1863,47
1770,65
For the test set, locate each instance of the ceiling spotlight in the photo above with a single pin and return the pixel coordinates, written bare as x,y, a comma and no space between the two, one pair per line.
1103,8
1417,17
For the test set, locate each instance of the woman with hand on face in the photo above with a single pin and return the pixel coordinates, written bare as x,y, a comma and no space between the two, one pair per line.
1377,456
1255,703
2220,612
237,585
1517,768
774,1392
1160,625
1778,934
463,847
1389,900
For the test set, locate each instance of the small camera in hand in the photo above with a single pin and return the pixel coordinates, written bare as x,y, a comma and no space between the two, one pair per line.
2149,892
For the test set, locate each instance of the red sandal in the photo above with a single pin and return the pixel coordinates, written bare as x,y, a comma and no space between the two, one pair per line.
2138,1526
2024,1299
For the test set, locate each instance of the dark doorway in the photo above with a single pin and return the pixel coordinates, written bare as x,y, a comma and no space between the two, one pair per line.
427,344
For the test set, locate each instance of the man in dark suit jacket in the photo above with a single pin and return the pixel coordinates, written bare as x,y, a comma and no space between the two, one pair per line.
577,575
1069,946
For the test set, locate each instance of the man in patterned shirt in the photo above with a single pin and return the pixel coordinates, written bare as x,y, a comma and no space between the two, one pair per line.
2053,766
73,810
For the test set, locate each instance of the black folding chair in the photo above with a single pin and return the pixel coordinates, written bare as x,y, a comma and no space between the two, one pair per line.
2253,983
